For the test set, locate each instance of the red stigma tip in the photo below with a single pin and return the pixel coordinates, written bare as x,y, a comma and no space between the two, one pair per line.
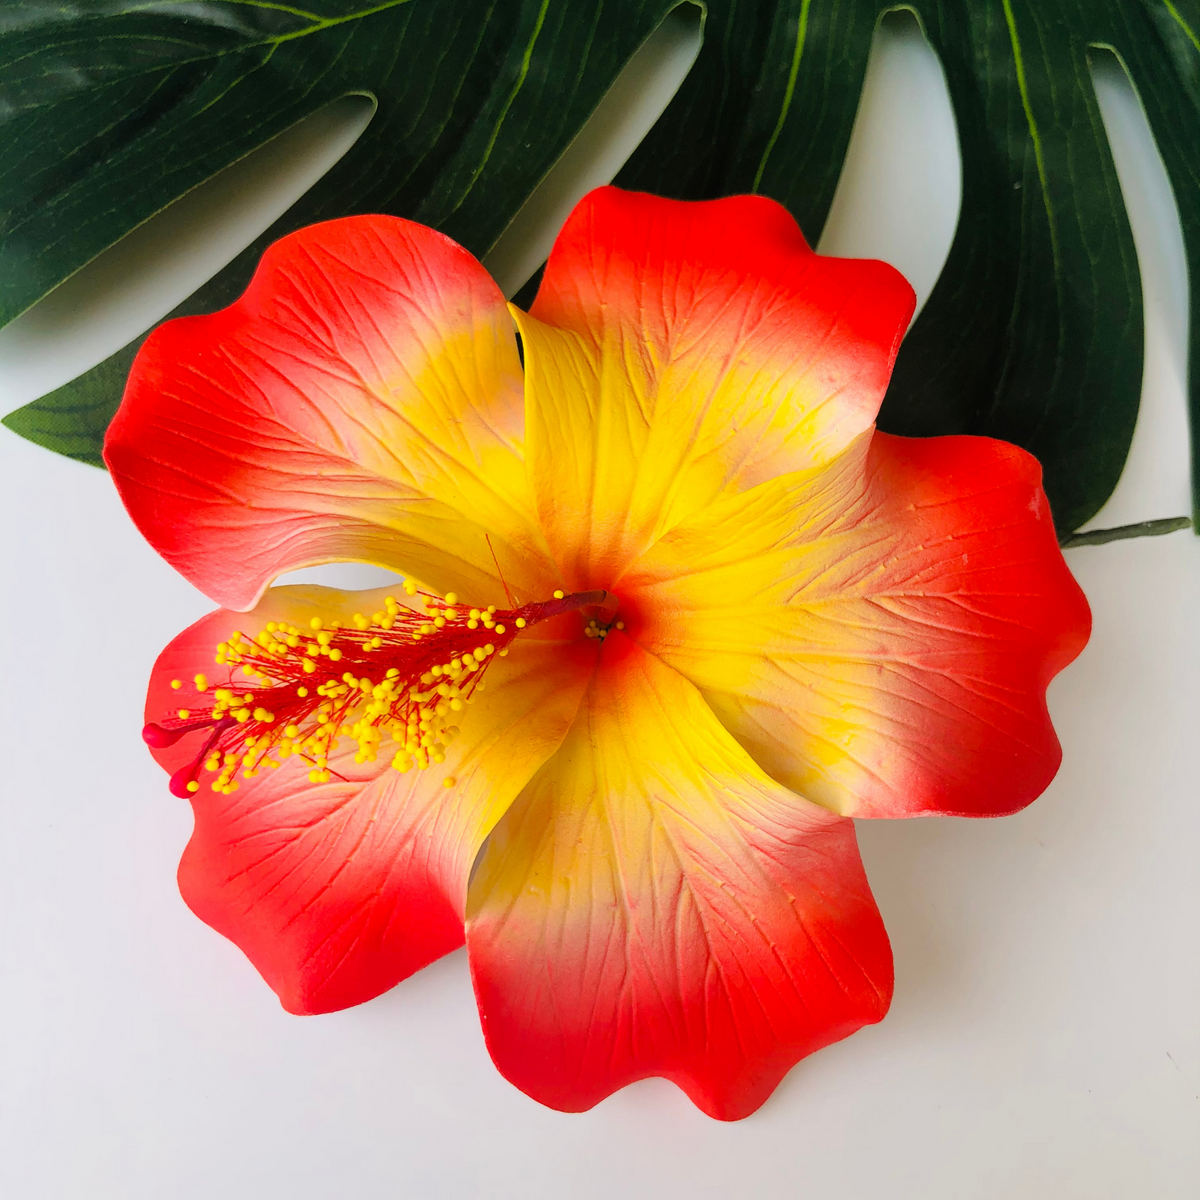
181,779
158,738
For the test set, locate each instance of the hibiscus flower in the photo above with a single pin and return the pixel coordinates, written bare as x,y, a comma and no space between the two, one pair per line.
682,613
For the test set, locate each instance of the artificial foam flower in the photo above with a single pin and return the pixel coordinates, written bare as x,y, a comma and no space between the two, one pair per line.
681,614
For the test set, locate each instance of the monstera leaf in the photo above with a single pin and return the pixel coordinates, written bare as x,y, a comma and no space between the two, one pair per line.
1034,332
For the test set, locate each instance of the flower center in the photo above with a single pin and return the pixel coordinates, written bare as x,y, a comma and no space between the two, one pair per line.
400,674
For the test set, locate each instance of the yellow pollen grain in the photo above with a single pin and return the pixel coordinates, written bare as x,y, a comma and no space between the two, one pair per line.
448,782
558,595
177,683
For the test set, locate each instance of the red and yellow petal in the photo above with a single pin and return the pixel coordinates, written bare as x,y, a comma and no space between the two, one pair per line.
654,904
678,351
362,401
880,633
336,891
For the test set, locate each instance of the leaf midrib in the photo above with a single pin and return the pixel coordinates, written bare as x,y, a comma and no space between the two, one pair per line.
1187,29
319,25
318,22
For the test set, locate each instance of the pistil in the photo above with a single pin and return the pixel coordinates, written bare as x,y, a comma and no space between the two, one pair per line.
400,675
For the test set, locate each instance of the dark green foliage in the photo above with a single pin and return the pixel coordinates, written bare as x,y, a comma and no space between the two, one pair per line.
112,110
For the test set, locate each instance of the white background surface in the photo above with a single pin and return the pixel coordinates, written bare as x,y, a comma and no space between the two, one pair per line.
1043,1041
